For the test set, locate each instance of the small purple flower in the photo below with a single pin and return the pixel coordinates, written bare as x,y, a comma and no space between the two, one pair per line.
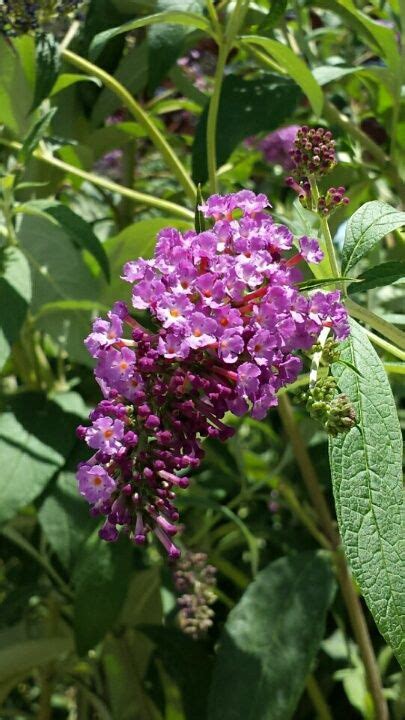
261,347
105,434
95,484
230,345
200,331
310,250
104,334
173,310
248,374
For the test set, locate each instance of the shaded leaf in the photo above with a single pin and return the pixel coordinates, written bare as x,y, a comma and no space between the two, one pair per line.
294,66
15,297
36,436
180,18
35,136
384,274
259,105
101,578
369,224
188,663
366,473
19,659
270,640
48,64
166,42
16,88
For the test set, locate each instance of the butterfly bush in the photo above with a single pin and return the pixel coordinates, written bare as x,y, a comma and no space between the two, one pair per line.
229,322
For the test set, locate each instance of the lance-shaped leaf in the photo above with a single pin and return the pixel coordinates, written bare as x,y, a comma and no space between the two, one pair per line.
15,296
270,640
294,66
369,224
366,475
378,276
177,17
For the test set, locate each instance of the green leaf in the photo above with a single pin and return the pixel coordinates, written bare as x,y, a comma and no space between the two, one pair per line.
15,297
132,72
16,88
101,579
275,14
325,74
178,17
270,640
259,105
19,659
294,66
81,233
166,42
188,663
366,475
48,63
369,224
64,516
199,222
36,436
35,136
67,79
313,283
384,274
45,244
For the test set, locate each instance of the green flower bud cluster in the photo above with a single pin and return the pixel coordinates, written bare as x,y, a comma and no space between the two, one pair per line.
330,350
334,412
195,580
18,17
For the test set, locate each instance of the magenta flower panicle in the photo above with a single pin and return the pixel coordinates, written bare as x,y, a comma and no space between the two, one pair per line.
230,323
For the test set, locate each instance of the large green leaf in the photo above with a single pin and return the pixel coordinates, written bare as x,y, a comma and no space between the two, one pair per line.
366,474
294,66
246,107
188,663
15,296
371,222
101,579
16,85
64,516
166,42
270,640
18,660
175,16
48,64
378,276
59,274
36,436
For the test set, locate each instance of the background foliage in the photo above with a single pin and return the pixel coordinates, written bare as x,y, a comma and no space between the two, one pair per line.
103,141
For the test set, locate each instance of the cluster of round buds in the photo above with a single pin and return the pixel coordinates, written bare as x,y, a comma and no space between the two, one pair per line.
313,152
18,17
330,350
195,580
334,412
333,198
229,323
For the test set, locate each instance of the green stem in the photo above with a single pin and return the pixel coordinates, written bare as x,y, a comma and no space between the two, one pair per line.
225,44
138,197
384,345
305,518
317,699
140,115
213,118
350,597
382,326
329,247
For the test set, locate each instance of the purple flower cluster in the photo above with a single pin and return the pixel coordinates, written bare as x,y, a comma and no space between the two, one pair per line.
229,320
277,146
